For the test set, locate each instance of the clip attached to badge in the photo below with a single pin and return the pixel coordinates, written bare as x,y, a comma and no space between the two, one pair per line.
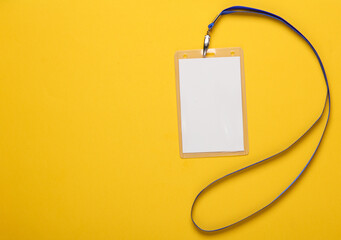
206,43
208,37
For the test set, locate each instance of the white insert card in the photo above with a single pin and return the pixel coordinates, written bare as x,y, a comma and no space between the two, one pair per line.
211,105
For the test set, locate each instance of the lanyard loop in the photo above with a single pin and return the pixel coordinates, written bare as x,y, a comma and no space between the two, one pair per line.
242,9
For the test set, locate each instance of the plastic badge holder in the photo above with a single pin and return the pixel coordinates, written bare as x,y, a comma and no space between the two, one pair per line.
211,103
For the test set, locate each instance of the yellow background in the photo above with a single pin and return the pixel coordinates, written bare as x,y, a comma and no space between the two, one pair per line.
88,121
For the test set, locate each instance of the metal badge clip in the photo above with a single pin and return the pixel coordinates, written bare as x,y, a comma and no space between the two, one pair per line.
206,43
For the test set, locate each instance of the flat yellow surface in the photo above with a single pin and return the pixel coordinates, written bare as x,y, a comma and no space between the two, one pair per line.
88,125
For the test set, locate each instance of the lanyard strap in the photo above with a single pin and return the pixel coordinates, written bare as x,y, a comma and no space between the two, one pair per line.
242,9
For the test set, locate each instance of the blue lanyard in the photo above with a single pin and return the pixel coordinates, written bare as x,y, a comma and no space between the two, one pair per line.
242,9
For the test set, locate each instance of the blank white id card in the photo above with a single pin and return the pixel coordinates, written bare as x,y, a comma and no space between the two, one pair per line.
211,103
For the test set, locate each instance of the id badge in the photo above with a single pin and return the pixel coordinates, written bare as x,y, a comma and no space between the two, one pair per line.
211,103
